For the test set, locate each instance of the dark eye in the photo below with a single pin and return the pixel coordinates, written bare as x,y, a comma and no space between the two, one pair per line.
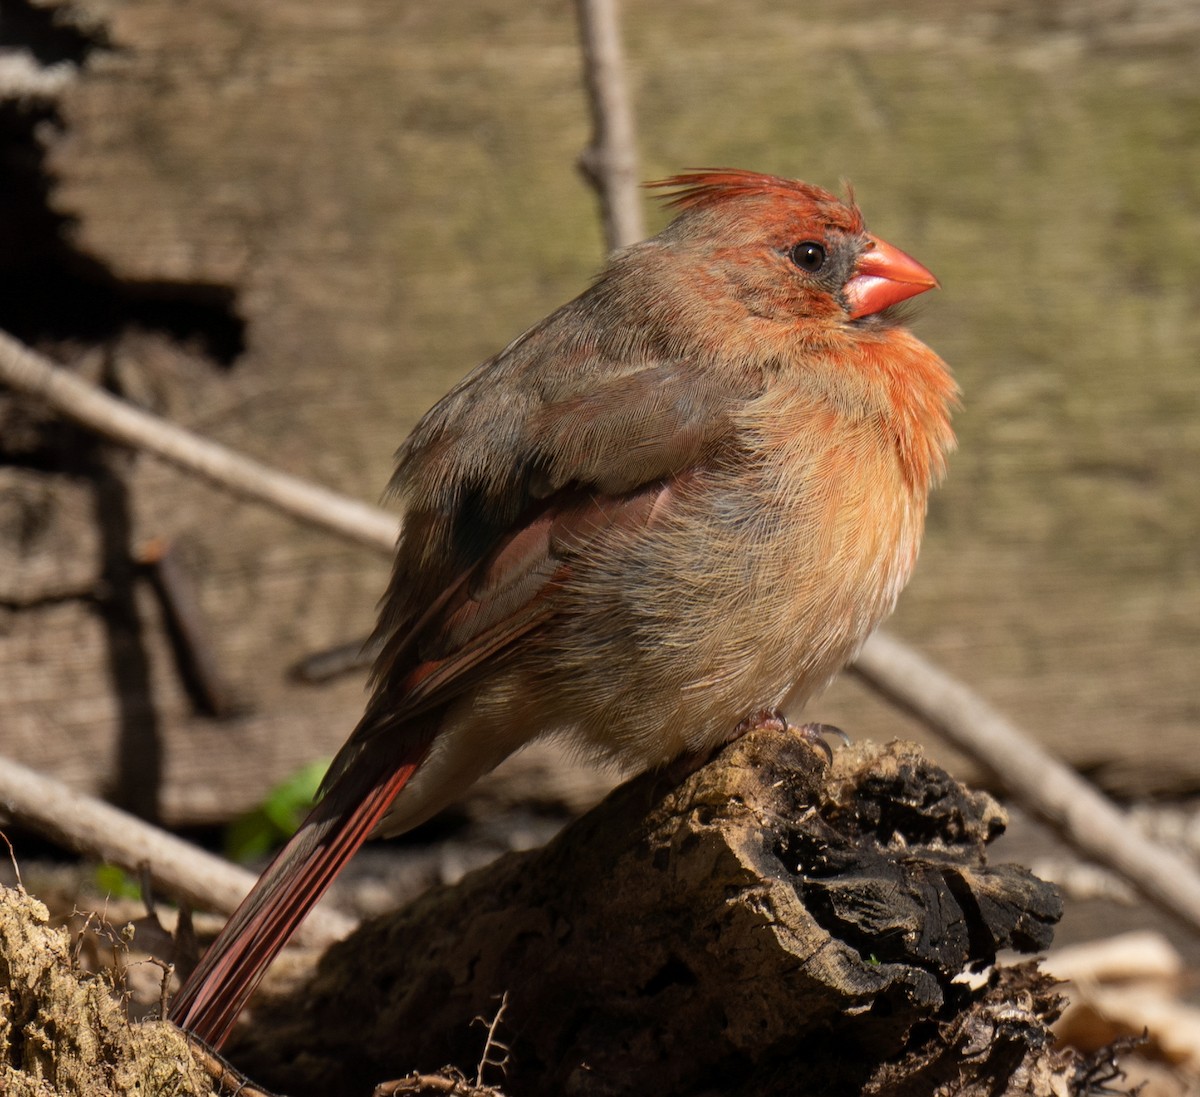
808,255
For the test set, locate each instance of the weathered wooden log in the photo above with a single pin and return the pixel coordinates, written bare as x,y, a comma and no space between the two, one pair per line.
770,922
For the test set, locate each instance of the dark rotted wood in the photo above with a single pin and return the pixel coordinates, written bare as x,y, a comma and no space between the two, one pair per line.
998,1042
768,917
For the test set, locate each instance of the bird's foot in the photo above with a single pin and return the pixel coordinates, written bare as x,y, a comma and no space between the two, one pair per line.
774,720
770,719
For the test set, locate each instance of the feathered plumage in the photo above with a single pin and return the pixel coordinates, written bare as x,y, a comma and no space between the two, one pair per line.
685,497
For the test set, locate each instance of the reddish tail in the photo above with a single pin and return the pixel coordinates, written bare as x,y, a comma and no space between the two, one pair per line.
219,988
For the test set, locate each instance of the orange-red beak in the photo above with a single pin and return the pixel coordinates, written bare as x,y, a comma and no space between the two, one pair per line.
885,276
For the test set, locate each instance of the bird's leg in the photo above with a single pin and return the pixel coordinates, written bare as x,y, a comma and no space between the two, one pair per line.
776,721
766,718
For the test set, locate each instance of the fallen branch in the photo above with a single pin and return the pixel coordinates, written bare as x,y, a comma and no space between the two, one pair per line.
1073,807
1141,955
33,374
1132,985
96,829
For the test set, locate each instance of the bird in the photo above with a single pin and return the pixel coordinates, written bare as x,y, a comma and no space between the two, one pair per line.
667,513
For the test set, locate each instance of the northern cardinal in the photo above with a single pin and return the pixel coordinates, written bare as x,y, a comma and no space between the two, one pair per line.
675,506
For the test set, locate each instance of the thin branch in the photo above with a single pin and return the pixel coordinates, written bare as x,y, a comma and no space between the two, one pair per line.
492,1042
34,375
1139,954
96,829
190,635
610,163
1042,784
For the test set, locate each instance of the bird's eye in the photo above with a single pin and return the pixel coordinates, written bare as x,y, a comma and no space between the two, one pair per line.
808,256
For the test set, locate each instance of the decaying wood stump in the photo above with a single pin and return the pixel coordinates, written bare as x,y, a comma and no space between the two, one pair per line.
770,923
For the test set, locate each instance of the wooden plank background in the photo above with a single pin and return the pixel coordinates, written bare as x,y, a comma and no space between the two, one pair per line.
291,226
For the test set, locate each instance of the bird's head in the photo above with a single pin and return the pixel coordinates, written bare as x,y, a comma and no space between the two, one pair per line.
784,250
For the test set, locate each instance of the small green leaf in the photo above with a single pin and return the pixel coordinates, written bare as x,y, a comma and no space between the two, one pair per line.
116,883
275,820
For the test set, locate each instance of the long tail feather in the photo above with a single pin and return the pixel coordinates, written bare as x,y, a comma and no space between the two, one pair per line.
262,925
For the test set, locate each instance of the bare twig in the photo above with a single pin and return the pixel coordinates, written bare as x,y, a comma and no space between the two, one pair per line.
29,372
1042,784
12,857
449,1081
492,1042
164,984
333,662
1137,955
92,827
227,1079
195,654
610,163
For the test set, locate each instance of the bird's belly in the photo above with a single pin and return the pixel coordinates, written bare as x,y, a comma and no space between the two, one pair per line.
740,602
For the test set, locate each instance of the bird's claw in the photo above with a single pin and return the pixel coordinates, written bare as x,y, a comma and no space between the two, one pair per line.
816,733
